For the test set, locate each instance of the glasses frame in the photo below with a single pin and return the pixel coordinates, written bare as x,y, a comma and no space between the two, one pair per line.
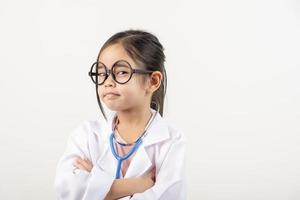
109,71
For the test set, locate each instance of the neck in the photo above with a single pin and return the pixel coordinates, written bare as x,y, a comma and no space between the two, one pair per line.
134,117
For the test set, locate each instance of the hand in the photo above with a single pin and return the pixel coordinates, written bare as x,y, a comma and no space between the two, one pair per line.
129,186
83,164
148,180
151,174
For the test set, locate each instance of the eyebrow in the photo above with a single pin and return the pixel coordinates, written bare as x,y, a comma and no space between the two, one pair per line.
120,60
120,63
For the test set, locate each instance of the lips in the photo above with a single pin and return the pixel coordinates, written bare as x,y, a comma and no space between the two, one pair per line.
111,94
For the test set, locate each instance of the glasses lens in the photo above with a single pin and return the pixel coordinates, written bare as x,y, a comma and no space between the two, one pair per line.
98,73
122,71
101,71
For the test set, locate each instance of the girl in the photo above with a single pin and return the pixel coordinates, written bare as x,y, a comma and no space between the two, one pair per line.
133,153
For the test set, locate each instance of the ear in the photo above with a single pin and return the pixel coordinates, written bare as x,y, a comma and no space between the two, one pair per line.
155,81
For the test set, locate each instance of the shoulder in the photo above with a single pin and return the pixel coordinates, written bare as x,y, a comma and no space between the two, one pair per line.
175,132
88,127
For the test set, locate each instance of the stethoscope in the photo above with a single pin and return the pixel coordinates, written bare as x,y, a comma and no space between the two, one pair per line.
137,143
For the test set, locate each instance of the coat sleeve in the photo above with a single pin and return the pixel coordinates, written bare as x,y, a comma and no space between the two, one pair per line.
75,184
170,179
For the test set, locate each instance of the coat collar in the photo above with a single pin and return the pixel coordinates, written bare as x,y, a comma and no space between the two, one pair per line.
141,163
157,131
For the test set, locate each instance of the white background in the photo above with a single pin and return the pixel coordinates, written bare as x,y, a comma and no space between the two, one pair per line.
234,89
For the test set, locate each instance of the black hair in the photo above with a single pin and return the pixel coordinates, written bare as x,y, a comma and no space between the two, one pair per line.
144,48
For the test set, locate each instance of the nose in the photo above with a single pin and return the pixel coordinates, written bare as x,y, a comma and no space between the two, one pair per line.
109,82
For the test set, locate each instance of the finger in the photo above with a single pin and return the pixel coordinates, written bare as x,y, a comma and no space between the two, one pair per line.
86,163
152,174
152,171
79,166
89,164
77,163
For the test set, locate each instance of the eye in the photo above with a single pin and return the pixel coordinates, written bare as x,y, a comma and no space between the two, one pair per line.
122,72
102,74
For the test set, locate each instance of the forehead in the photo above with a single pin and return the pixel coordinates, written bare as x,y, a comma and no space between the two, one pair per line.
114,53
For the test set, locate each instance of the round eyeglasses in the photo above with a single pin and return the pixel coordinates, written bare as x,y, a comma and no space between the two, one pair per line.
121,72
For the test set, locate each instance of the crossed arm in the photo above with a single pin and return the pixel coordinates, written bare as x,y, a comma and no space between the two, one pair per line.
121,187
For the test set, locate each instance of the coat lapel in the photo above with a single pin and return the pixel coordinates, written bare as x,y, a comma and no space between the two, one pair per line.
107,161
141,162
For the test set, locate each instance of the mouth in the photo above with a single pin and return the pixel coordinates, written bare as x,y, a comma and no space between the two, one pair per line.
110,94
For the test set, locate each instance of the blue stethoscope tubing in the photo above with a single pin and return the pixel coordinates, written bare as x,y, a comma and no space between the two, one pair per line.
120,159
137,144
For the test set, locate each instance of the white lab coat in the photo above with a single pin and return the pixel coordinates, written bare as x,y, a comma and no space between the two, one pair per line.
163,147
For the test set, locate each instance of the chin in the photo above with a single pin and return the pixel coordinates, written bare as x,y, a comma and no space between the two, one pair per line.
114,107
117,107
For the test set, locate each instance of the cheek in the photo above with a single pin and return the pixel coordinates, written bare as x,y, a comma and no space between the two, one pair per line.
142,82
133,92
130,93
100,91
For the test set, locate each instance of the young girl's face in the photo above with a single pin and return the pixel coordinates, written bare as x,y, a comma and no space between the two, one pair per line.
133,94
